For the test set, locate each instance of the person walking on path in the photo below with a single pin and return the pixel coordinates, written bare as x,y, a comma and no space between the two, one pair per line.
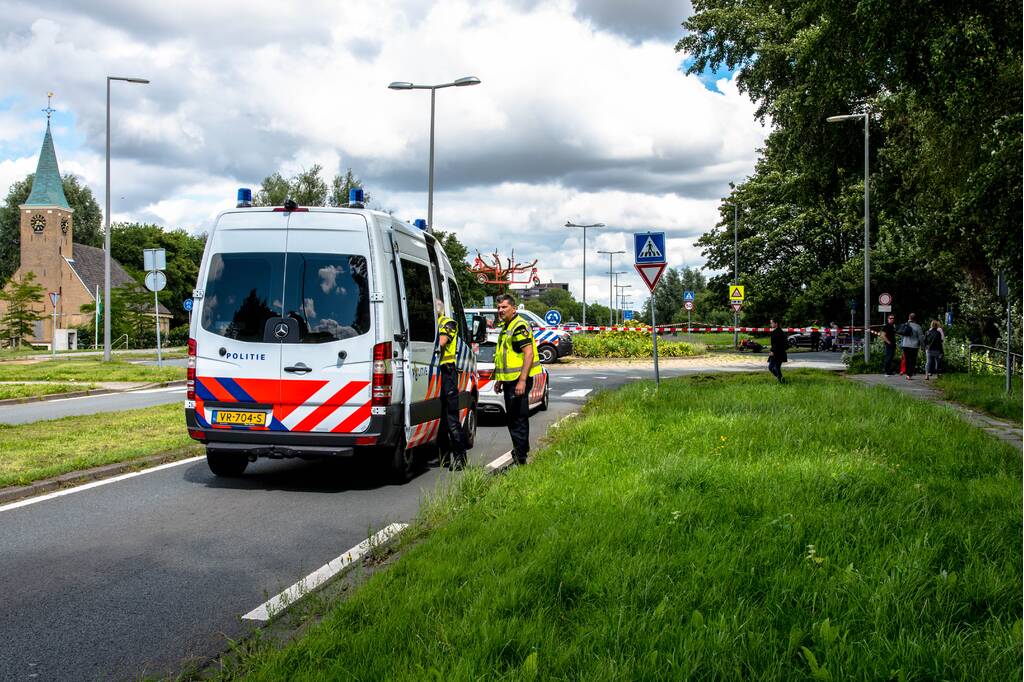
515,366
889,344
833,337
777,352
448,335
913,339
933,340
815,336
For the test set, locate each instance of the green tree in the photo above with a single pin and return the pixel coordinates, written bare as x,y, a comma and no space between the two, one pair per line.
668,297
87,217
562,301
131,313
308,188
472,291
341,185
184,254
22,300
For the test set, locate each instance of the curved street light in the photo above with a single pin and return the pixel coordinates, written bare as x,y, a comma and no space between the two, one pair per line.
406,85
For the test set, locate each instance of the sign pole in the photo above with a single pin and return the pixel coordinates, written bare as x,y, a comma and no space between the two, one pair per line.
156,316
53,335
654,333
96,324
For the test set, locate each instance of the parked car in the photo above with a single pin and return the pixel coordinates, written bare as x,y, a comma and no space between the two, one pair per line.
551,343
493,403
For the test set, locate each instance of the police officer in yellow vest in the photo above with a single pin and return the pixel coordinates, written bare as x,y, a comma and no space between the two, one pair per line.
516,363
447,341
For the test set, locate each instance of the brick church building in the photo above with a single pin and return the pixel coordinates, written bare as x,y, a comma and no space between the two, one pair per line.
48,250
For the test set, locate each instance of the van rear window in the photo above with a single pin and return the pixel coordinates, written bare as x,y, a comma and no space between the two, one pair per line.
243,291
326,294
329,295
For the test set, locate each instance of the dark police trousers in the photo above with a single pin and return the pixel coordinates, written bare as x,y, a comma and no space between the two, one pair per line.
517,411
450,427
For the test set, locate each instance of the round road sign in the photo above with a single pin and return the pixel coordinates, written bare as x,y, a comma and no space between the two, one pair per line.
688,305
156,280
553,317
884,299
187,304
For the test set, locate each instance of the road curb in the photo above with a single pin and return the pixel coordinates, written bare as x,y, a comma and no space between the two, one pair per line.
89,391
74,478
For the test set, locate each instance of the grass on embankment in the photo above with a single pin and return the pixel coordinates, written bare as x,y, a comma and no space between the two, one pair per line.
986,392
87,369
725,527
30,452
8,391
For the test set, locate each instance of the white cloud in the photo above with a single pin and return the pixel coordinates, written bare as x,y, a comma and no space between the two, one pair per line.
582,113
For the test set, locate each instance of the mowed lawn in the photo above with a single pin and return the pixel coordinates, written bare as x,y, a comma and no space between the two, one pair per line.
724,527
29,452
986,392
87,369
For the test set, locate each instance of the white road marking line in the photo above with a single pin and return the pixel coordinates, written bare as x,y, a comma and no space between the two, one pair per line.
600,377
166,389
564,419
96,484
282,601
577,393
636,377
500,463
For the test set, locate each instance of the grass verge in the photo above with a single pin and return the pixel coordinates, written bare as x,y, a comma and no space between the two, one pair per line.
986,392
87,369
30,452
8,391
720,528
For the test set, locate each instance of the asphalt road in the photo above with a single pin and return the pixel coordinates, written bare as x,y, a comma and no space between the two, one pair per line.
142,575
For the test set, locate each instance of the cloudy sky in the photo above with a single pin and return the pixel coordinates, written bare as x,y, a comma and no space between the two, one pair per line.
583,114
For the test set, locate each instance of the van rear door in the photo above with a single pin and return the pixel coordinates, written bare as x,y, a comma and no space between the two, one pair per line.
327,363
238,359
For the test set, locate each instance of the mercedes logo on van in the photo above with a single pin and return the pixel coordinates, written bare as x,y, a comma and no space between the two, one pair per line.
281,330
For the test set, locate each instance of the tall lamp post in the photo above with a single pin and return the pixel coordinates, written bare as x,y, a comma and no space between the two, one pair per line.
106,226
569,223
457,83
620,295
867,235
611,300
735,266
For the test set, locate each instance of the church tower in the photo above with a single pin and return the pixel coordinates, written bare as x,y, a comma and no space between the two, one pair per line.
46,220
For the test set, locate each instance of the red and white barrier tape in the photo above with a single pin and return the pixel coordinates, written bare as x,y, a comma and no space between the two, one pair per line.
696,330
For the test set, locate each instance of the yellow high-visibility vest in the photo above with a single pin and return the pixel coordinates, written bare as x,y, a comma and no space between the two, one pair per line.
508,363
447,326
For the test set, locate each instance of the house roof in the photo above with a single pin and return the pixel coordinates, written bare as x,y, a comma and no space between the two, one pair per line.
88,265
47,187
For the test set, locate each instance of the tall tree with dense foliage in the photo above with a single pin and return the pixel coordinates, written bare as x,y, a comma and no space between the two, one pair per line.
22,299
308,188
942,83
88,219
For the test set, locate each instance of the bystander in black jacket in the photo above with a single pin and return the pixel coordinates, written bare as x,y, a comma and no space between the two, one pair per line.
779,344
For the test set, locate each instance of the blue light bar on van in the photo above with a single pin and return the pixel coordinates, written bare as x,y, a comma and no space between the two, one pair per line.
355,196
244,198
420,223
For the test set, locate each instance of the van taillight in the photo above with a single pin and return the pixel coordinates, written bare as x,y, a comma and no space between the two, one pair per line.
380,394
190,373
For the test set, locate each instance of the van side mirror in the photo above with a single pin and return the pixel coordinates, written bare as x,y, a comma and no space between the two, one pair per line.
479,329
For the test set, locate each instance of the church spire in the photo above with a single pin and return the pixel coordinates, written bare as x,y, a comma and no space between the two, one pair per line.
47,187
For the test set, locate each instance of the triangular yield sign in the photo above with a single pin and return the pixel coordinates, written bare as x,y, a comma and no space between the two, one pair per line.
650,273
736,293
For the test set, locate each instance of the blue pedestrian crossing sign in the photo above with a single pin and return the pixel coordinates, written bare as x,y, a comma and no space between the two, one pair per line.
688,296
649,247
627,314
553,317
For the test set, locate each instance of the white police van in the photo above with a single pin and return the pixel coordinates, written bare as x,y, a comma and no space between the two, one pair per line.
313,334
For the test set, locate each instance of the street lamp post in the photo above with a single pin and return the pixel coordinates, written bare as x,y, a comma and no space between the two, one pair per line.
620,294
611,302
569,223
735,266
458,83
867,235
106,226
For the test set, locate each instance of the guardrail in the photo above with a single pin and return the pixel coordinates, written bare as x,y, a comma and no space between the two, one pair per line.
117,341
1016,359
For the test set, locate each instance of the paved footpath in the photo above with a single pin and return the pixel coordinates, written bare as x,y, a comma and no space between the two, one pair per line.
926,390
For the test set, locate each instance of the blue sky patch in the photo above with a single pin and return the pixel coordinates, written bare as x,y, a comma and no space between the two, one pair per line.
708,77
67,139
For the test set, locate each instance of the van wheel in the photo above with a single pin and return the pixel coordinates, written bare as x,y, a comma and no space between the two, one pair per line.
400,462
470,428
548,354
546,401
226,464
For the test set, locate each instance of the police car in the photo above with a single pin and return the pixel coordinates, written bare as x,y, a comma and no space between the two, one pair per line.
313,334
551,343
494,403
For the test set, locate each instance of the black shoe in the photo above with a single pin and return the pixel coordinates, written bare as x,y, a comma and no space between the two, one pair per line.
458,463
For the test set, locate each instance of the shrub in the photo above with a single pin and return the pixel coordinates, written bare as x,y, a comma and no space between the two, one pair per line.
630,345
